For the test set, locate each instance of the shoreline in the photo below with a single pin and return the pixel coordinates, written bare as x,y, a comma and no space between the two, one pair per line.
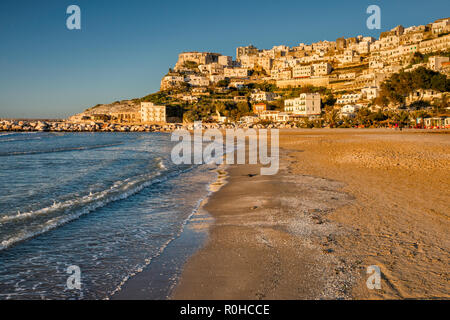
16,126
311,231
343,200
271,252
159,278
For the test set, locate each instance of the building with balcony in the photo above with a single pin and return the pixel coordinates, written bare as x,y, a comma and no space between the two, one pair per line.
151,113
306,104
435,63
349,98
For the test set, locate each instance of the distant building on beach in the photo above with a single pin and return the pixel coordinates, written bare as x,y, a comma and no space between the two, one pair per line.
270,115
249,119
437,123
307,104
124,117
152,113
349,110
259,108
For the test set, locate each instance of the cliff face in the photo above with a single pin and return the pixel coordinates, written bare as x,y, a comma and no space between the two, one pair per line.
108,109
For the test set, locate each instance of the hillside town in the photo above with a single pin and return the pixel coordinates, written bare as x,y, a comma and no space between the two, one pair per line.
398,80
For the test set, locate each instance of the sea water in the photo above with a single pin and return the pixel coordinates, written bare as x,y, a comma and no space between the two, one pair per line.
108,203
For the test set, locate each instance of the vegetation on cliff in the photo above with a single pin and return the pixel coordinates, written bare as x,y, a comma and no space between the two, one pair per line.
400,85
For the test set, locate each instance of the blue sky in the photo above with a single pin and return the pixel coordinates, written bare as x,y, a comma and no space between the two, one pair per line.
125,47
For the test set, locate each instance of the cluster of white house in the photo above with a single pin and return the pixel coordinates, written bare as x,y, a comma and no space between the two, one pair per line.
324,63
307,105
356,66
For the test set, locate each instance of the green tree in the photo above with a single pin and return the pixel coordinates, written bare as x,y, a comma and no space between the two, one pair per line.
400,85
329,100
223,83
190,64
244,108
331,117
420,104
362,117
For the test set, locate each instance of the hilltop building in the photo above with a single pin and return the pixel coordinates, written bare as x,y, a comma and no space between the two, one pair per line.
353,69
197,58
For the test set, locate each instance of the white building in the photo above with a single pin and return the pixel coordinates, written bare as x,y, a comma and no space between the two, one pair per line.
438,44
284,117
349,110
350,56
152,113
306,104
197,81
269,115
249,119
263,96
425,95
349,98
248,50
236,72
321,69
300,71
441,26
370,92
284,74
435,63
171,81
363,47
347,76
214,78
265,63
248,61
225,61
212,68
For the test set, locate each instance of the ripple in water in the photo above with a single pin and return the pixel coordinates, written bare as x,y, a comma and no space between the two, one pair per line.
109,210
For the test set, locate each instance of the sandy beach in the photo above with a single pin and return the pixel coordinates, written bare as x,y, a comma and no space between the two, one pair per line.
343,200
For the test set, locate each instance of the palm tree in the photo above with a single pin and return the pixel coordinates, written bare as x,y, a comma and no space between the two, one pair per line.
442,105
332,117
420,114
348,122
391,117
362,116
403,118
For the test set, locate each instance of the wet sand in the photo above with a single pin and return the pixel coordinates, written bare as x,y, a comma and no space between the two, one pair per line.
343,200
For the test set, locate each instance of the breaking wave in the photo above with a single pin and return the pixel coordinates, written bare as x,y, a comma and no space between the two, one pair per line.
57,213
